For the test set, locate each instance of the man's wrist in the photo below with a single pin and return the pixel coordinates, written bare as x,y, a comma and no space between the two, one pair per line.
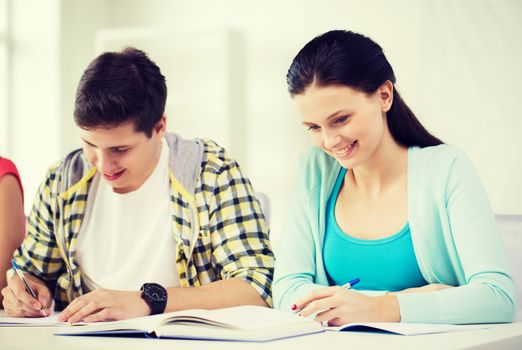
142,304
155,296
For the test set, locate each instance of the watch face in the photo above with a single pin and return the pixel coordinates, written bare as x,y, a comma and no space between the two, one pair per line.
156,293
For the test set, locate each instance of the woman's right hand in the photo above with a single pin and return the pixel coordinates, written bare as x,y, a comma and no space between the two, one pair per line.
19,303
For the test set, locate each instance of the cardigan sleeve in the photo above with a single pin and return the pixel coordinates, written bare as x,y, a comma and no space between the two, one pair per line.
296,258
485,291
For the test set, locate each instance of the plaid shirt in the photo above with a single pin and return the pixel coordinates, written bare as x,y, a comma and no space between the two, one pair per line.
219,231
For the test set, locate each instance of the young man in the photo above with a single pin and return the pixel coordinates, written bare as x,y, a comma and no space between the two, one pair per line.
140,221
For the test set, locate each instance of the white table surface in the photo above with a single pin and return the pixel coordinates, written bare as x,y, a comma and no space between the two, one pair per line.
498,337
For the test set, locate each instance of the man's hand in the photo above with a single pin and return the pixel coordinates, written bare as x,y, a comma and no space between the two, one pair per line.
19,303
105,305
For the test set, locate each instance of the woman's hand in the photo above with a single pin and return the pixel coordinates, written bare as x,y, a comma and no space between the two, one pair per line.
424,289
338,305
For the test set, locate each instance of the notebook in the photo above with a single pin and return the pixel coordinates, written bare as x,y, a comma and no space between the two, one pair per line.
49,321
241,323
405,328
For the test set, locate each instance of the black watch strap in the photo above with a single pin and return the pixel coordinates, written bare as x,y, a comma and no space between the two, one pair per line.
155,295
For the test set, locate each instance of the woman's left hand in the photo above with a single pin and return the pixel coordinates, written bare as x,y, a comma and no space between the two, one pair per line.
434,287
338,305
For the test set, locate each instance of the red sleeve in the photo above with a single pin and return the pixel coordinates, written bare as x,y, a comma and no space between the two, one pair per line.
8,168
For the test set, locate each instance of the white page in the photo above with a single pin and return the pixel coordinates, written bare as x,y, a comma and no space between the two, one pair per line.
254,317
32,321
249,318
409,328
240,317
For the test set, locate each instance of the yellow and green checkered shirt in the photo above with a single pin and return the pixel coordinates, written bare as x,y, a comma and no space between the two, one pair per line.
219,231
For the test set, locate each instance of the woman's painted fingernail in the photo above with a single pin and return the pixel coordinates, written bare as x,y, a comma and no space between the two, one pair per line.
294,307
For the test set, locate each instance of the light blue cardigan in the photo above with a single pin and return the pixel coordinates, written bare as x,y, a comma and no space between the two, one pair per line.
452,228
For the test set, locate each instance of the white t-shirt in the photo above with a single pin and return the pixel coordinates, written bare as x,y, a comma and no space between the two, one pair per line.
126,239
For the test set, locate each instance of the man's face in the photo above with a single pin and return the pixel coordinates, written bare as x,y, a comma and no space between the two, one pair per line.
124,157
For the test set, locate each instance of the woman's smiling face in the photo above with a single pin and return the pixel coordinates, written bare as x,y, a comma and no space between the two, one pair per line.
345,123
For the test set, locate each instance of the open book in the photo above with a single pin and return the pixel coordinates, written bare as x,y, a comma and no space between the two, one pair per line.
244,323
405,328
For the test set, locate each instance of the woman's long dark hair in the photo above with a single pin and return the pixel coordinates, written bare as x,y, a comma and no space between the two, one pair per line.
341,57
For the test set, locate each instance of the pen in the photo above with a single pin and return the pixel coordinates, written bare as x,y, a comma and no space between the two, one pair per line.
351,283
20,274
346,285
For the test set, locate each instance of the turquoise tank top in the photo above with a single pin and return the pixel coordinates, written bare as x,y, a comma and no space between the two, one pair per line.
381,264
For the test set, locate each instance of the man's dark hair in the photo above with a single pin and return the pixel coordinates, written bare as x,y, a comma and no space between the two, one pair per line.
121,87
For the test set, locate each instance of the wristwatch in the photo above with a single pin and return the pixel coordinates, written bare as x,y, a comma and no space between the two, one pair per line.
155,296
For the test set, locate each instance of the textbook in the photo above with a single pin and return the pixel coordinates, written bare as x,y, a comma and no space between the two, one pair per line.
241,323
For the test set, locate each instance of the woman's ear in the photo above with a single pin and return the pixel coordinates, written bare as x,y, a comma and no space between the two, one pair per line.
386,95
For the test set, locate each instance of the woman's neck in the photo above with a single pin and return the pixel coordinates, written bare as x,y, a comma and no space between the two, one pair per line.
386,167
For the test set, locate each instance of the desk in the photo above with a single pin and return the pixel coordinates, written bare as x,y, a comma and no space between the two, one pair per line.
498,337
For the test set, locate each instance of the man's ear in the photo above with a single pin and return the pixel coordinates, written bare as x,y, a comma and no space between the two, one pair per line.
161,126
386,95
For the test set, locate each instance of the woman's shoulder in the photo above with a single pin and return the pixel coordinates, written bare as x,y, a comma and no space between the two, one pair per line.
7,167
435,157
438,164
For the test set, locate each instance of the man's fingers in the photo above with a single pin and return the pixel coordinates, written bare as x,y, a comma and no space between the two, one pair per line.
43,295
103,315
17,287
76,305
16,307
81,314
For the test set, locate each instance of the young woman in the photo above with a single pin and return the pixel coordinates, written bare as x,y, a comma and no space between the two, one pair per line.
381,199
12,218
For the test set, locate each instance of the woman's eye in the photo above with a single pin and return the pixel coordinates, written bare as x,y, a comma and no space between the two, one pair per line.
121,150
341,120
313,127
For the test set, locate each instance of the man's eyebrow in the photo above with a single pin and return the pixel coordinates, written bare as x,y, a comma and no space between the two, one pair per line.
112,147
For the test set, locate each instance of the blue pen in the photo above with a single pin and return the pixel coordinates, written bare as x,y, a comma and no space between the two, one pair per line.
20,274
351,283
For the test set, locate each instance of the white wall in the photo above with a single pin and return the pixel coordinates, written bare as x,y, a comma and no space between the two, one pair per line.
457,65
470,74
79,22
34,85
